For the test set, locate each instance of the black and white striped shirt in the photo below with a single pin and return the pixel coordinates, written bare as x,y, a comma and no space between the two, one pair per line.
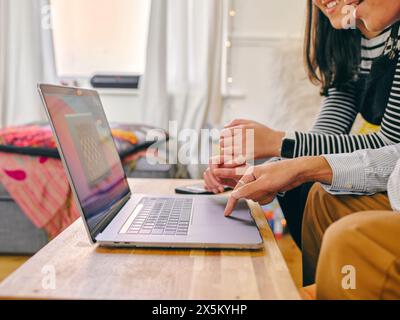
331,132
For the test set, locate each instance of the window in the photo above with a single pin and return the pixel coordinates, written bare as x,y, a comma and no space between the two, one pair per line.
100,36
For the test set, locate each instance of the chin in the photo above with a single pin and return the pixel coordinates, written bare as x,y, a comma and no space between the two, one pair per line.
337,24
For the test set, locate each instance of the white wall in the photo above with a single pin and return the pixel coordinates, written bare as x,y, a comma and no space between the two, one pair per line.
121,105
273,18
266,65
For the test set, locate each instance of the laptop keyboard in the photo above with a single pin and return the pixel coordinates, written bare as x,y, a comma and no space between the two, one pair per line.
163,216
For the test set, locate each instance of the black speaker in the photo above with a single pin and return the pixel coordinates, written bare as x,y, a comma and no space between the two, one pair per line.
115,81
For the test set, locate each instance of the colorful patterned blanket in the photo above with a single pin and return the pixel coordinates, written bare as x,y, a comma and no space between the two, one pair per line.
32,173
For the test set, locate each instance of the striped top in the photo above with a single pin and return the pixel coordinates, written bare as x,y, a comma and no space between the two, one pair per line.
331,132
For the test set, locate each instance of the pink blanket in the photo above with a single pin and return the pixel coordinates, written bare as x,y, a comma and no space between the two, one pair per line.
38,184
40,187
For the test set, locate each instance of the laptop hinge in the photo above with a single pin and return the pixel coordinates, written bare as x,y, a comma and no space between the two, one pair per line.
102,225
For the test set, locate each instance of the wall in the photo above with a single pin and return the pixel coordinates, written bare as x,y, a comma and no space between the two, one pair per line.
121,105
272,18
265,63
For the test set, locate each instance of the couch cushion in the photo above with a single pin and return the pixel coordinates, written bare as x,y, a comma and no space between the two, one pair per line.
17,233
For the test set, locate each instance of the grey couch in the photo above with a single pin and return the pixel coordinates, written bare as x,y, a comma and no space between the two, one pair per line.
17,233
18,236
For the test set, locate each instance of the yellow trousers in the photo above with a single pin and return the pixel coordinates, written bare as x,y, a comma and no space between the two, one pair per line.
351,251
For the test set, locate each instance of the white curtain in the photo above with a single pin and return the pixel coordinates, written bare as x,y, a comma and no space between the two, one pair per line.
26,58
182,81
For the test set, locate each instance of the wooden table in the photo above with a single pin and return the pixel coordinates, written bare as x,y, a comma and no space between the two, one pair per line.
83,271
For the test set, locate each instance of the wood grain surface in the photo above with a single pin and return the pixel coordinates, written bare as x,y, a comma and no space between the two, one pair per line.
84,271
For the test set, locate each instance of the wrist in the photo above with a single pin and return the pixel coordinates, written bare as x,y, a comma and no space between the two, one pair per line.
288,146
314,169
276,146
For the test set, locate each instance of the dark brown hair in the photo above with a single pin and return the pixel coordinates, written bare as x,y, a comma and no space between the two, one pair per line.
332,56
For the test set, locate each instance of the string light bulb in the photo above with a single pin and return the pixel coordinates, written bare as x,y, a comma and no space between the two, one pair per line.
228,43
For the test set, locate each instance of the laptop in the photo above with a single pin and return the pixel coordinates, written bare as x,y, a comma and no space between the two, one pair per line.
114,215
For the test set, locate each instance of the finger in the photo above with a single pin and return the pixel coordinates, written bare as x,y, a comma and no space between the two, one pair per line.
216,160
232,131
225,161
236,144
228,173
230,206
235,197
215,185
216,181
231,162
215,163
232,151
237,122
227,155
226,133
248,191
233,144
219,188
226,142
208,182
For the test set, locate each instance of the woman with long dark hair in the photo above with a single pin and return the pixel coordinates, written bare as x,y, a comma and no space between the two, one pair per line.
359,74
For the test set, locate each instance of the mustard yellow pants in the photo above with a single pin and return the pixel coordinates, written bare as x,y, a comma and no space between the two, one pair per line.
350,251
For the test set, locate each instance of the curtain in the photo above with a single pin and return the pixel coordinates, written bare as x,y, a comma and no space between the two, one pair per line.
182,81
26,58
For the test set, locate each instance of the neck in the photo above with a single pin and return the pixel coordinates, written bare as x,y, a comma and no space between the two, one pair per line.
368,34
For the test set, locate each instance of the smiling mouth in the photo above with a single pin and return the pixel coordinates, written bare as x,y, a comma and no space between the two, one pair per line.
331,5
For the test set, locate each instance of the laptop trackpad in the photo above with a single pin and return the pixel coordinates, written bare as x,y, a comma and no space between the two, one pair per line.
210,223
210,211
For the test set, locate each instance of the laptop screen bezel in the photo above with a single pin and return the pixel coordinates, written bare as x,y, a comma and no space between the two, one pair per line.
45,89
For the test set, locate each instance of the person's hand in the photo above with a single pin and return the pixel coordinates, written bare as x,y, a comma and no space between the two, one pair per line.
245,139
214,178
376,14
262,183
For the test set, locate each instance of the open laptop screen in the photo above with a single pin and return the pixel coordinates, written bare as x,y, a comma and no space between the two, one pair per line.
90,155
